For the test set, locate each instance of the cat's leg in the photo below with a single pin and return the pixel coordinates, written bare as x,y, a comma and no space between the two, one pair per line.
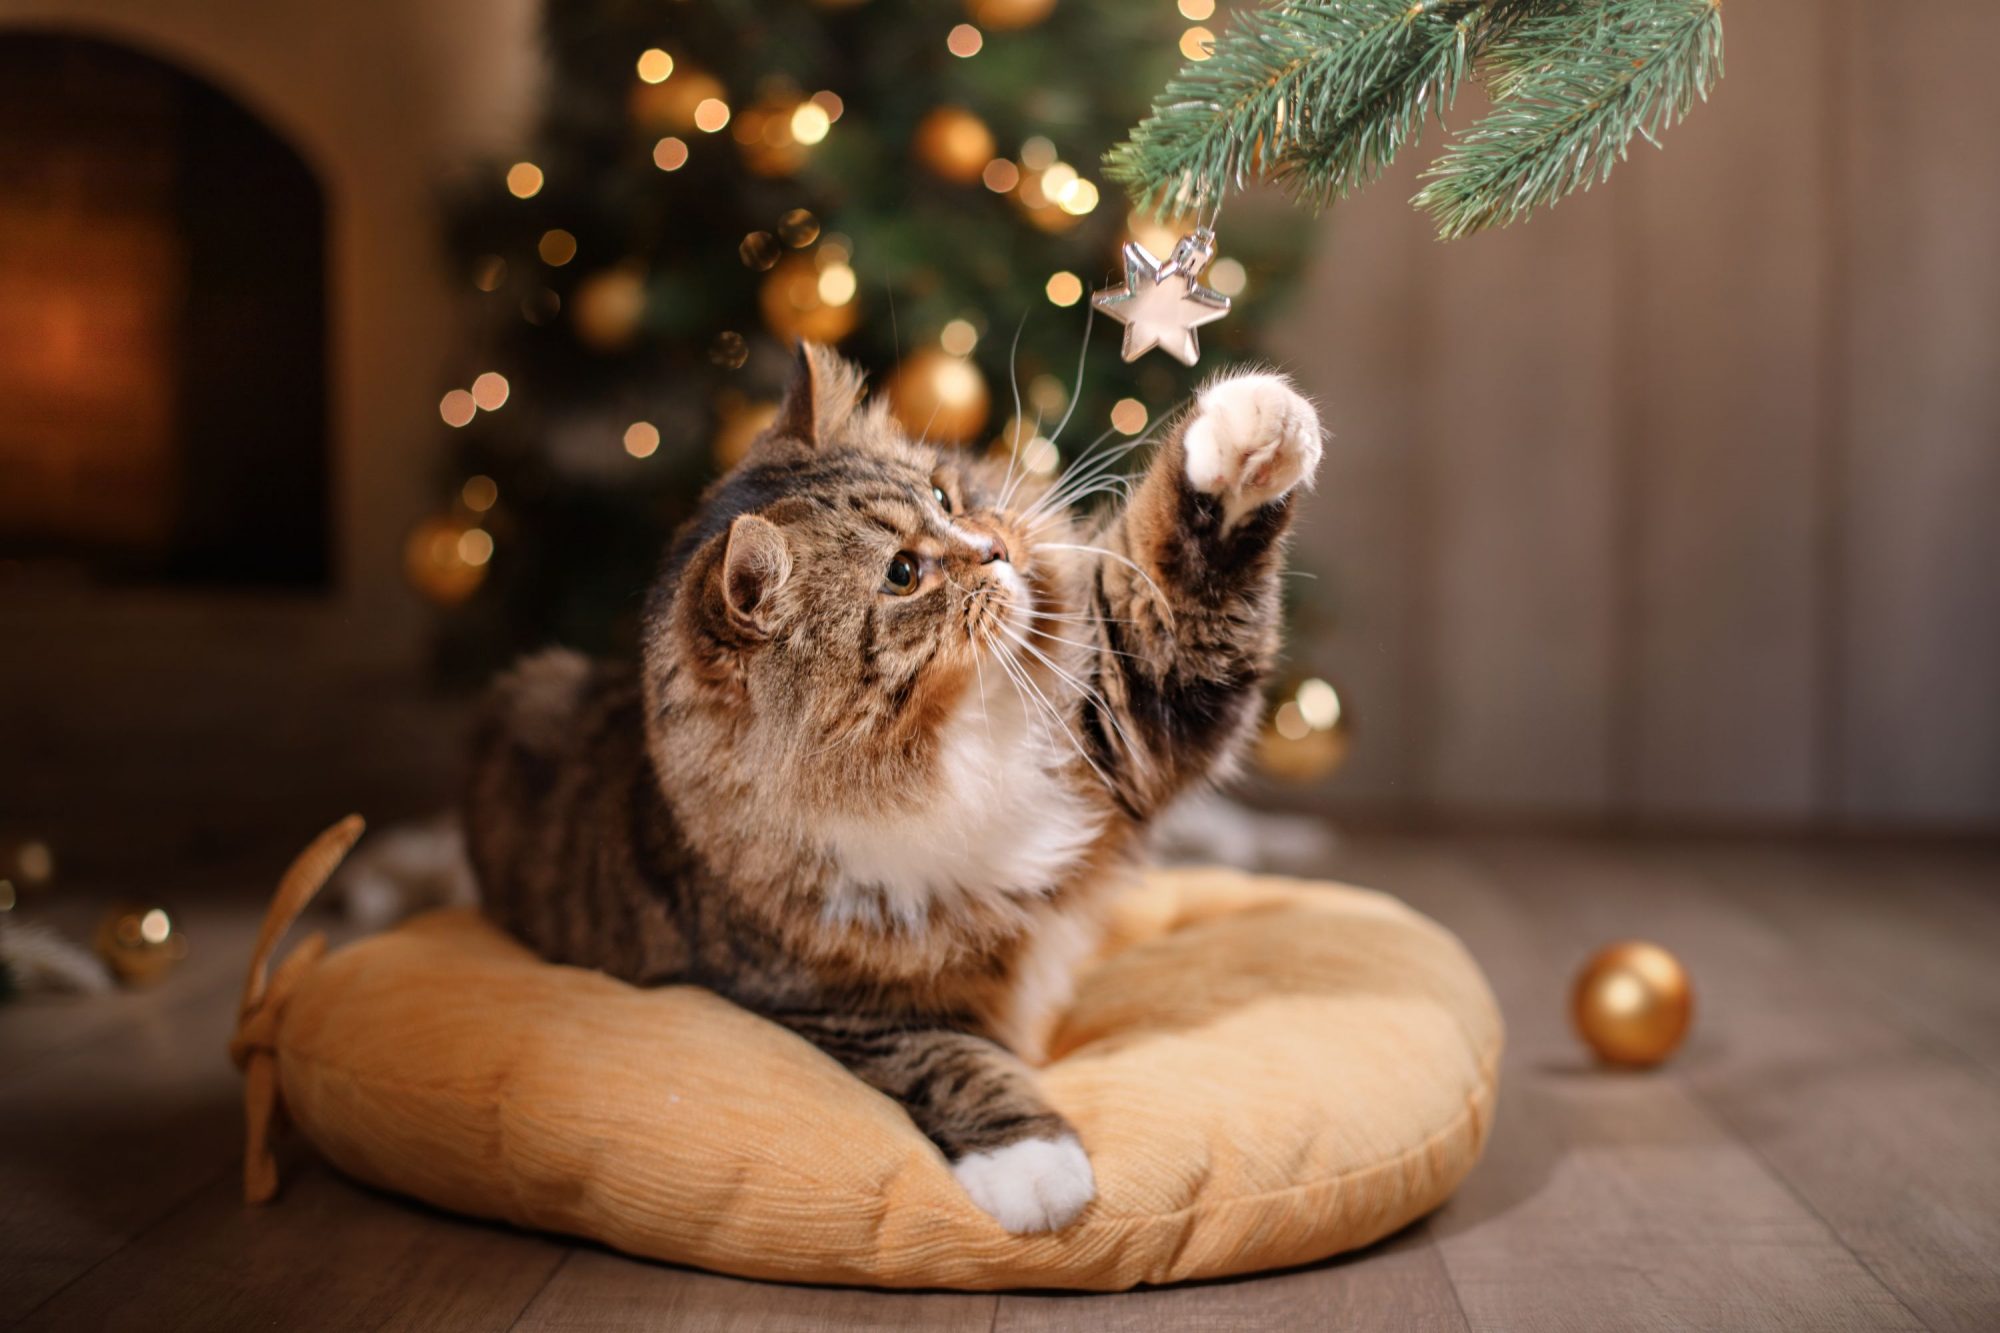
1186,601
1016,1157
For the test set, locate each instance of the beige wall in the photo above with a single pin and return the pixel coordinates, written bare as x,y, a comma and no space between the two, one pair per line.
1682,502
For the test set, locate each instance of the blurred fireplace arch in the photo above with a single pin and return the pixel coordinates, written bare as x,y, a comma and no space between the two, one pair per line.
163,341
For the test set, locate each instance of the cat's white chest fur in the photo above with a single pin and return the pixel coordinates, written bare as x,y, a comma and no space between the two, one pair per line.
995,819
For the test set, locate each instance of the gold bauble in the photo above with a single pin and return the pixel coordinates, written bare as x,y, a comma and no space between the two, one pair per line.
742,421
954,144
659,107
444,562
139,942
1632,1003
793,307
1306,734
607,307
939,396
1000,15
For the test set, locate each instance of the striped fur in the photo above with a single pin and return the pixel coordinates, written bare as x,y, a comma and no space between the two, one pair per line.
886,821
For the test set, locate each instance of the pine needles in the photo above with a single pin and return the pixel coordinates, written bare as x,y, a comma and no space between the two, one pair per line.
1321,96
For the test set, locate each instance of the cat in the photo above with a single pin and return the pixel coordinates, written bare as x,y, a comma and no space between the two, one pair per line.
899,721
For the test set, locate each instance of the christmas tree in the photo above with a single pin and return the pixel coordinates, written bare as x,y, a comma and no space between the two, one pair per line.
714,179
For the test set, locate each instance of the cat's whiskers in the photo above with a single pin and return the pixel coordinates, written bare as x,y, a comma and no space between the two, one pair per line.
1023,679
1166,608
1086,691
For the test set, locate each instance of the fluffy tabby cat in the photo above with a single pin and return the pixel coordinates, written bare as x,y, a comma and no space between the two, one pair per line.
898,723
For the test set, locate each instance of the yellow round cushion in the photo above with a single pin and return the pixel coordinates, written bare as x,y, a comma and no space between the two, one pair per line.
1264,1072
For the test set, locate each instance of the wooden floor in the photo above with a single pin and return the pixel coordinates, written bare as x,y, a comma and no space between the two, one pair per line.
1825,1154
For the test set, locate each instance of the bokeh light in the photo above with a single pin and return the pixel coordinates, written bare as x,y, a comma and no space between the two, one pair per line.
457,408
642,439
670,154
1129,416
655,65
524,180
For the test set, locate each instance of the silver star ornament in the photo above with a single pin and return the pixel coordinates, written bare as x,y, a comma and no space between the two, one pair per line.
1162,304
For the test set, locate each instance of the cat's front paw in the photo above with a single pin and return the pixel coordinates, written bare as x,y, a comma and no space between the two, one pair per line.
1030,1185
1253,438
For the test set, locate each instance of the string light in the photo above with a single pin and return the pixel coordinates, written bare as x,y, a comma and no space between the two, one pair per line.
959,337
1195,43
1318,704
830,103
1128,415
1079,198
1228,277
480,493
1000,175
810,123
837,284
524,180
642,439
557,247
1197,10
457,408
475,546
798,228
670,154
711,114
1065,289
759,250
490,391
1038,154
964,41
655,65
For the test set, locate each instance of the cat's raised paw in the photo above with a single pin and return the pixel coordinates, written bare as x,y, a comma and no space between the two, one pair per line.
1032,1185
1253,438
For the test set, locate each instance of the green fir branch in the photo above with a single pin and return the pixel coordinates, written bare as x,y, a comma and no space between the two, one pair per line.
1571,89
1294,75
1321,96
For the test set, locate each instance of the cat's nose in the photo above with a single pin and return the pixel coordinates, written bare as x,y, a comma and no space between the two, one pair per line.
986,542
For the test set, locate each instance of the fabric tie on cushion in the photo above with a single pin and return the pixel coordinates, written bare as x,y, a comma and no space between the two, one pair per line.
254,1047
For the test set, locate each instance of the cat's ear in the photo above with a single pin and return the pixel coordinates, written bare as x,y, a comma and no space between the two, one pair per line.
825,390
756,561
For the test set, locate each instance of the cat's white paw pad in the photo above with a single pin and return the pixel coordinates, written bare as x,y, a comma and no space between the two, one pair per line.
1032,1185
1253,438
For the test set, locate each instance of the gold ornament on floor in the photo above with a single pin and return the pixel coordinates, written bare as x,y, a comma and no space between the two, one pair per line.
799,299
939,396
445,559
139,942
1307,734
954,144
1632,1004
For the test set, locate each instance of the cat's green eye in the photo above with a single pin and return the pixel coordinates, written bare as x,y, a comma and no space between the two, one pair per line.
944,501
903,575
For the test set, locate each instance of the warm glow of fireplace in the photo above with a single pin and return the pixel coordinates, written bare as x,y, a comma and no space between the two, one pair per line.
162,340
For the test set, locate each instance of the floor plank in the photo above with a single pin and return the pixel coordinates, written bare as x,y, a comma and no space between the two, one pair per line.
1611,1201
600,1292
327,1255
1913,931
1883,1137
1399,1284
